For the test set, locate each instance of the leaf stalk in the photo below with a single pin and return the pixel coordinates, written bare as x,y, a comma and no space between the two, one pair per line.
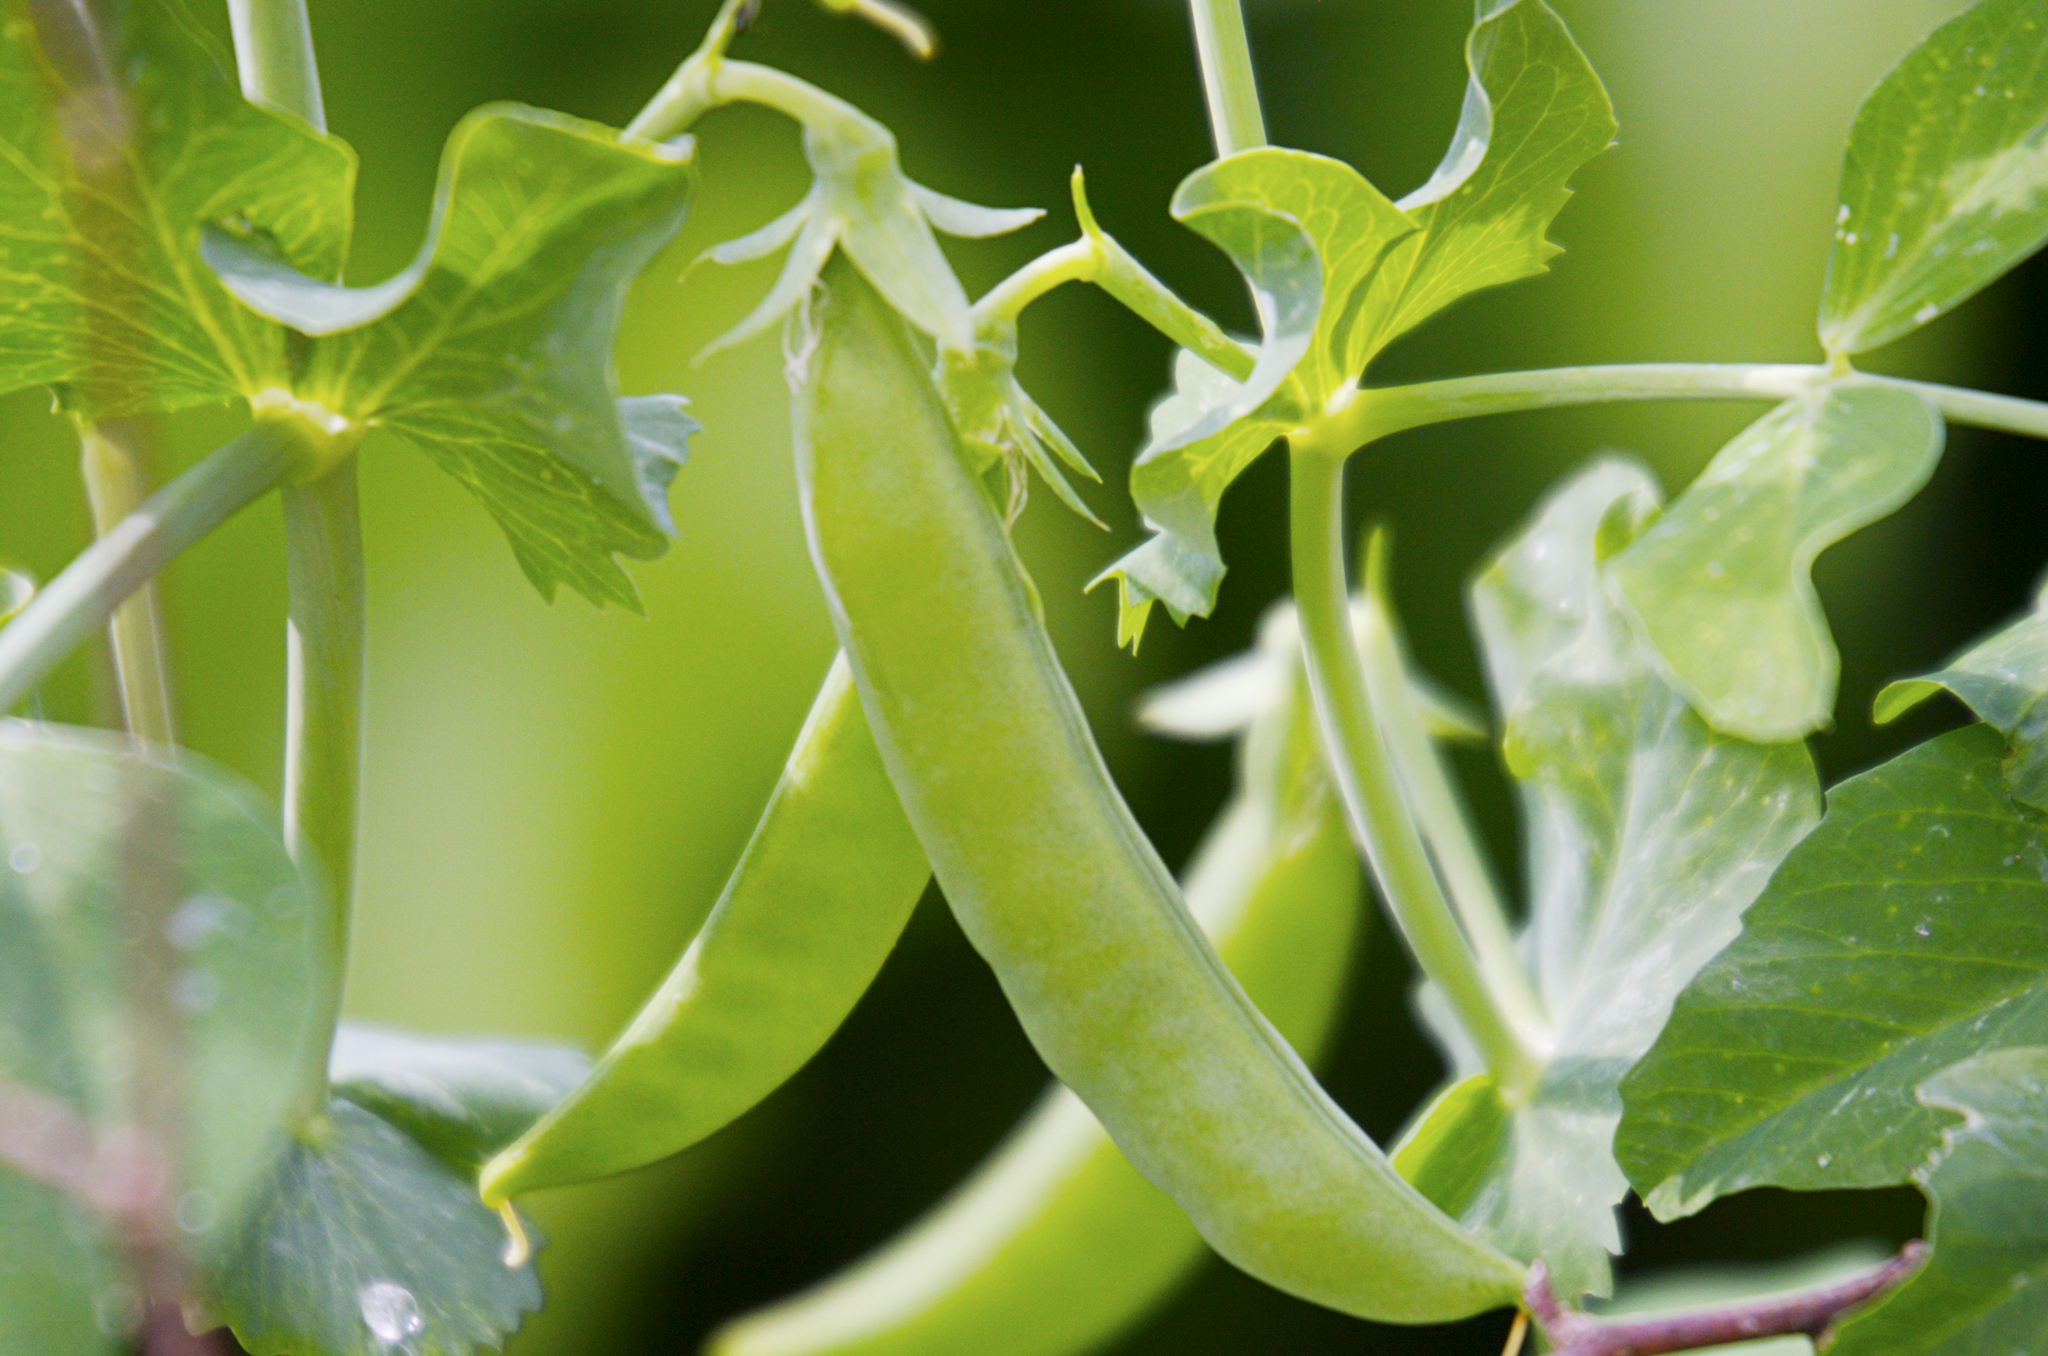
274,54
1235,118
112,457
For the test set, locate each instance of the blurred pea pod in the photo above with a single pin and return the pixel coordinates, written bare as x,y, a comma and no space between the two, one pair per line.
814,907
1051,878
1056,1243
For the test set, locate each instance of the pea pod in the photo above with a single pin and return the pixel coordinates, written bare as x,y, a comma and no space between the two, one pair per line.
1050,877
814,907
1056,1243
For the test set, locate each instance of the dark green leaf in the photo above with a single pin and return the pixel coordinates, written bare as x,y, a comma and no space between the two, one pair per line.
461,1100
1945,183
1720,586
119,134
2004,679
363,1244
1988,1225
1907,933
492,352
1648,834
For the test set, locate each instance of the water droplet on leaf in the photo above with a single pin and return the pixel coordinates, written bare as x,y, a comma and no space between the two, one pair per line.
390,1312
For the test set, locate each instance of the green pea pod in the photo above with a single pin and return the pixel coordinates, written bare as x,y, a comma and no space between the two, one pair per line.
1056,1243
1051,878
814,907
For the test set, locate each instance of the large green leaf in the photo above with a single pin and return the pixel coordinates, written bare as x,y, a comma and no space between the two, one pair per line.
1945,183
461,1100
1721,586
1907,933
60,1291
119,134
1534,112
364,1244
1988,1225
1648,836
2004,679
493,351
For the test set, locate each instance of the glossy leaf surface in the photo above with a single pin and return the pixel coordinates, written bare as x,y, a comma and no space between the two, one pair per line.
2004,679
1721,586
1988,1224
1945,181
1648,835
119,134
1907,933
364,1244
492,352
460,1100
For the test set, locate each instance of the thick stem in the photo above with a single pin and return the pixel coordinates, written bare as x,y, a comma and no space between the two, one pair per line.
82,599
113,460
323,735
1811,1312
274,53
1364,770
1234,115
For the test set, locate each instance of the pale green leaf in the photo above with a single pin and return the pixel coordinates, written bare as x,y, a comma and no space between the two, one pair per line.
1945,181
460,1100
493,351
1000,422
1907,933
362,1245
1988,1223
1648,835
1534,113
1721,586
2004,679
119,135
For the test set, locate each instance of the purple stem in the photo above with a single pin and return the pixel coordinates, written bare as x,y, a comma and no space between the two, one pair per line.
1813,1312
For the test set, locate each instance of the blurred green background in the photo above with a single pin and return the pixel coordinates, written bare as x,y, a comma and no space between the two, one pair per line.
555,794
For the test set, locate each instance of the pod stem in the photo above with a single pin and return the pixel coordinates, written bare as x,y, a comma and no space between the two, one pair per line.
1364,769
113,458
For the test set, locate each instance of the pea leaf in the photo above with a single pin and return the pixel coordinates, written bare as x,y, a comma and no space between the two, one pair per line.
119,134
1945,180
60,1292
1534,112
1989,1185
492,351
1720,587
1648,835
1903,936
2004,679
364,1244
110,861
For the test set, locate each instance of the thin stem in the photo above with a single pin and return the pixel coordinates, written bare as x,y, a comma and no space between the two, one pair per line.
112,457
1364,768
323,733
1077,261
702,84
1234,115
1810,1312
82,599
274,53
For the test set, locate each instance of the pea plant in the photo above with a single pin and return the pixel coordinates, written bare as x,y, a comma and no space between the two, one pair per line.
1721,978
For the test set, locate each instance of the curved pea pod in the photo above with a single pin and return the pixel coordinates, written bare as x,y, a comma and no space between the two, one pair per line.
1051,878
1056,1243
814,907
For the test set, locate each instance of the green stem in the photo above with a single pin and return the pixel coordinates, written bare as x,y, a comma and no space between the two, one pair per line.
274,53
111,458
1364,769
706,82
323,734
1078,261
82,599
1234,115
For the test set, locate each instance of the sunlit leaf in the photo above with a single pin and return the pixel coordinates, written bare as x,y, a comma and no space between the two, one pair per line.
1907,933
1988,1223
460,1100
2004,679
1945,182
119,135
1648,835
1721,587
1534,113
362,1245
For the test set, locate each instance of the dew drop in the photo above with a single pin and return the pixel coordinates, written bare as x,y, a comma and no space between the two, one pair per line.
1926,313
195,991
197,1212
25,858
390,1312
1842,215
197,919
1823,1161
1922,930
